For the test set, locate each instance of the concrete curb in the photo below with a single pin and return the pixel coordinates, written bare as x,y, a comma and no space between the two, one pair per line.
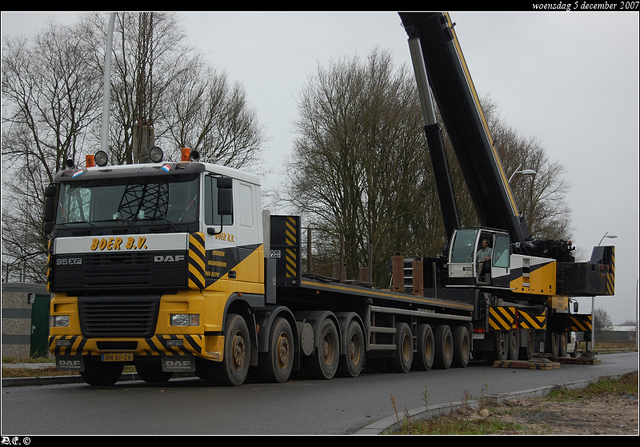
391,424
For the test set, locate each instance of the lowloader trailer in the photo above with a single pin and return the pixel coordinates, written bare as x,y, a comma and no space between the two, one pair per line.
173,267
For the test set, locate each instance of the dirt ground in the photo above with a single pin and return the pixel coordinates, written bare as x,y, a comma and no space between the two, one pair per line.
614,414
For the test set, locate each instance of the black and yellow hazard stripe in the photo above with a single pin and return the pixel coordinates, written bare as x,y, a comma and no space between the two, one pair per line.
197,263
156,345
611,275
502,318
532,320
291,239
49,261
580,323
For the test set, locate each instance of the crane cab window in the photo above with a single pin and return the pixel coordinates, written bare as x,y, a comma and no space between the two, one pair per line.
501,251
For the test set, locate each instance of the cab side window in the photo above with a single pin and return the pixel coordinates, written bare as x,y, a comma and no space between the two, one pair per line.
211,216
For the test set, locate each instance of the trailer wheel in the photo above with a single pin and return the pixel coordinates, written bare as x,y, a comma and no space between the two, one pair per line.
101,374
461,346
403,357
237,352
276,364
426,348
352,362
152,372
444,347
323,363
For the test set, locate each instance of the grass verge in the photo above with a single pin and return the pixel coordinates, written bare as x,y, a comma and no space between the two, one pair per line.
468,421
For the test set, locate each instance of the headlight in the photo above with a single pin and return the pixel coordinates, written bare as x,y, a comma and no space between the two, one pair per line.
60,321
184,320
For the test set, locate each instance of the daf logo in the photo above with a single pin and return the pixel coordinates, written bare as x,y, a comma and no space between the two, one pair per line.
178,363
169,258
69,363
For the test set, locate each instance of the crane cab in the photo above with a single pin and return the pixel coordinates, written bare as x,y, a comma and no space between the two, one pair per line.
468,267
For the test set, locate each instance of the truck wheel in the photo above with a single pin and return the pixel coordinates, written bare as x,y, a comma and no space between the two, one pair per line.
562,344
461,346
323,363
403,358
101,374
552,344
444,347
152,372
526,352
237,352
352,362
426,348
500,345
276,364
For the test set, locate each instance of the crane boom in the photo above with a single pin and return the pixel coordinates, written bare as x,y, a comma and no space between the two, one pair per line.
464,120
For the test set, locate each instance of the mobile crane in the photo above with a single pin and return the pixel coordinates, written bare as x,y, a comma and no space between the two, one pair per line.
174,267
524,276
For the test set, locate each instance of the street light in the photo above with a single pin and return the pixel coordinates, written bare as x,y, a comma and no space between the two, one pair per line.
607,236
523,172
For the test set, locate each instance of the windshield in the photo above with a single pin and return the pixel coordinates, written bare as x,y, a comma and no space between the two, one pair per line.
132,201
463,246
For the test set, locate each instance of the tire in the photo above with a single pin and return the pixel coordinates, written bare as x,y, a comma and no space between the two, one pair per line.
500,345
403,357
562,344
426,351
276,364
444,347
526,352
323,363
152,372
237,354
552,344
461,346
352,362
101,374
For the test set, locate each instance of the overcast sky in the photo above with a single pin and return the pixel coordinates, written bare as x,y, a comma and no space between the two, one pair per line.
569,79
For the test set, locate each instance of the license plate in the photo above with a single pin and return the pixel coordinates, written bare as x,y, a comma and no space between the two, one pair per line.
117,357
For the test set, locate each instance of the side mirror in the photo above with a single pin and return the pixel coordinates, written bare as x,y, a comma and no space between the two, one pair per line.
225,196
49,208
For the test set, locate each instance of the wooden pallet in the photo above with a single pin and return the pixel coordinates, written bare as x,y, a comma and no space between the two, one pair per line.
526,364
582,360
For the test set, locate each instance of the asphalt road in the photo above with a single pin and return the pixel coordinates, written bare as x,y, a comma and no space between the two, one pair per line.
299,407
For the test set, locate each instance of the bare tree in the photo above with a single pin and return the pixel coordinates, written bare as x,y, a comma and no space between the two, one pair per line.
602,320
52,110
50,99
358,166
213,117
541,198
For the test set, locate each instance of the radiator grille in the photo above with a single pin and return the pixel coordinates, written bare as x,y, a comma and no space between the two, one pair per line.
118,316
